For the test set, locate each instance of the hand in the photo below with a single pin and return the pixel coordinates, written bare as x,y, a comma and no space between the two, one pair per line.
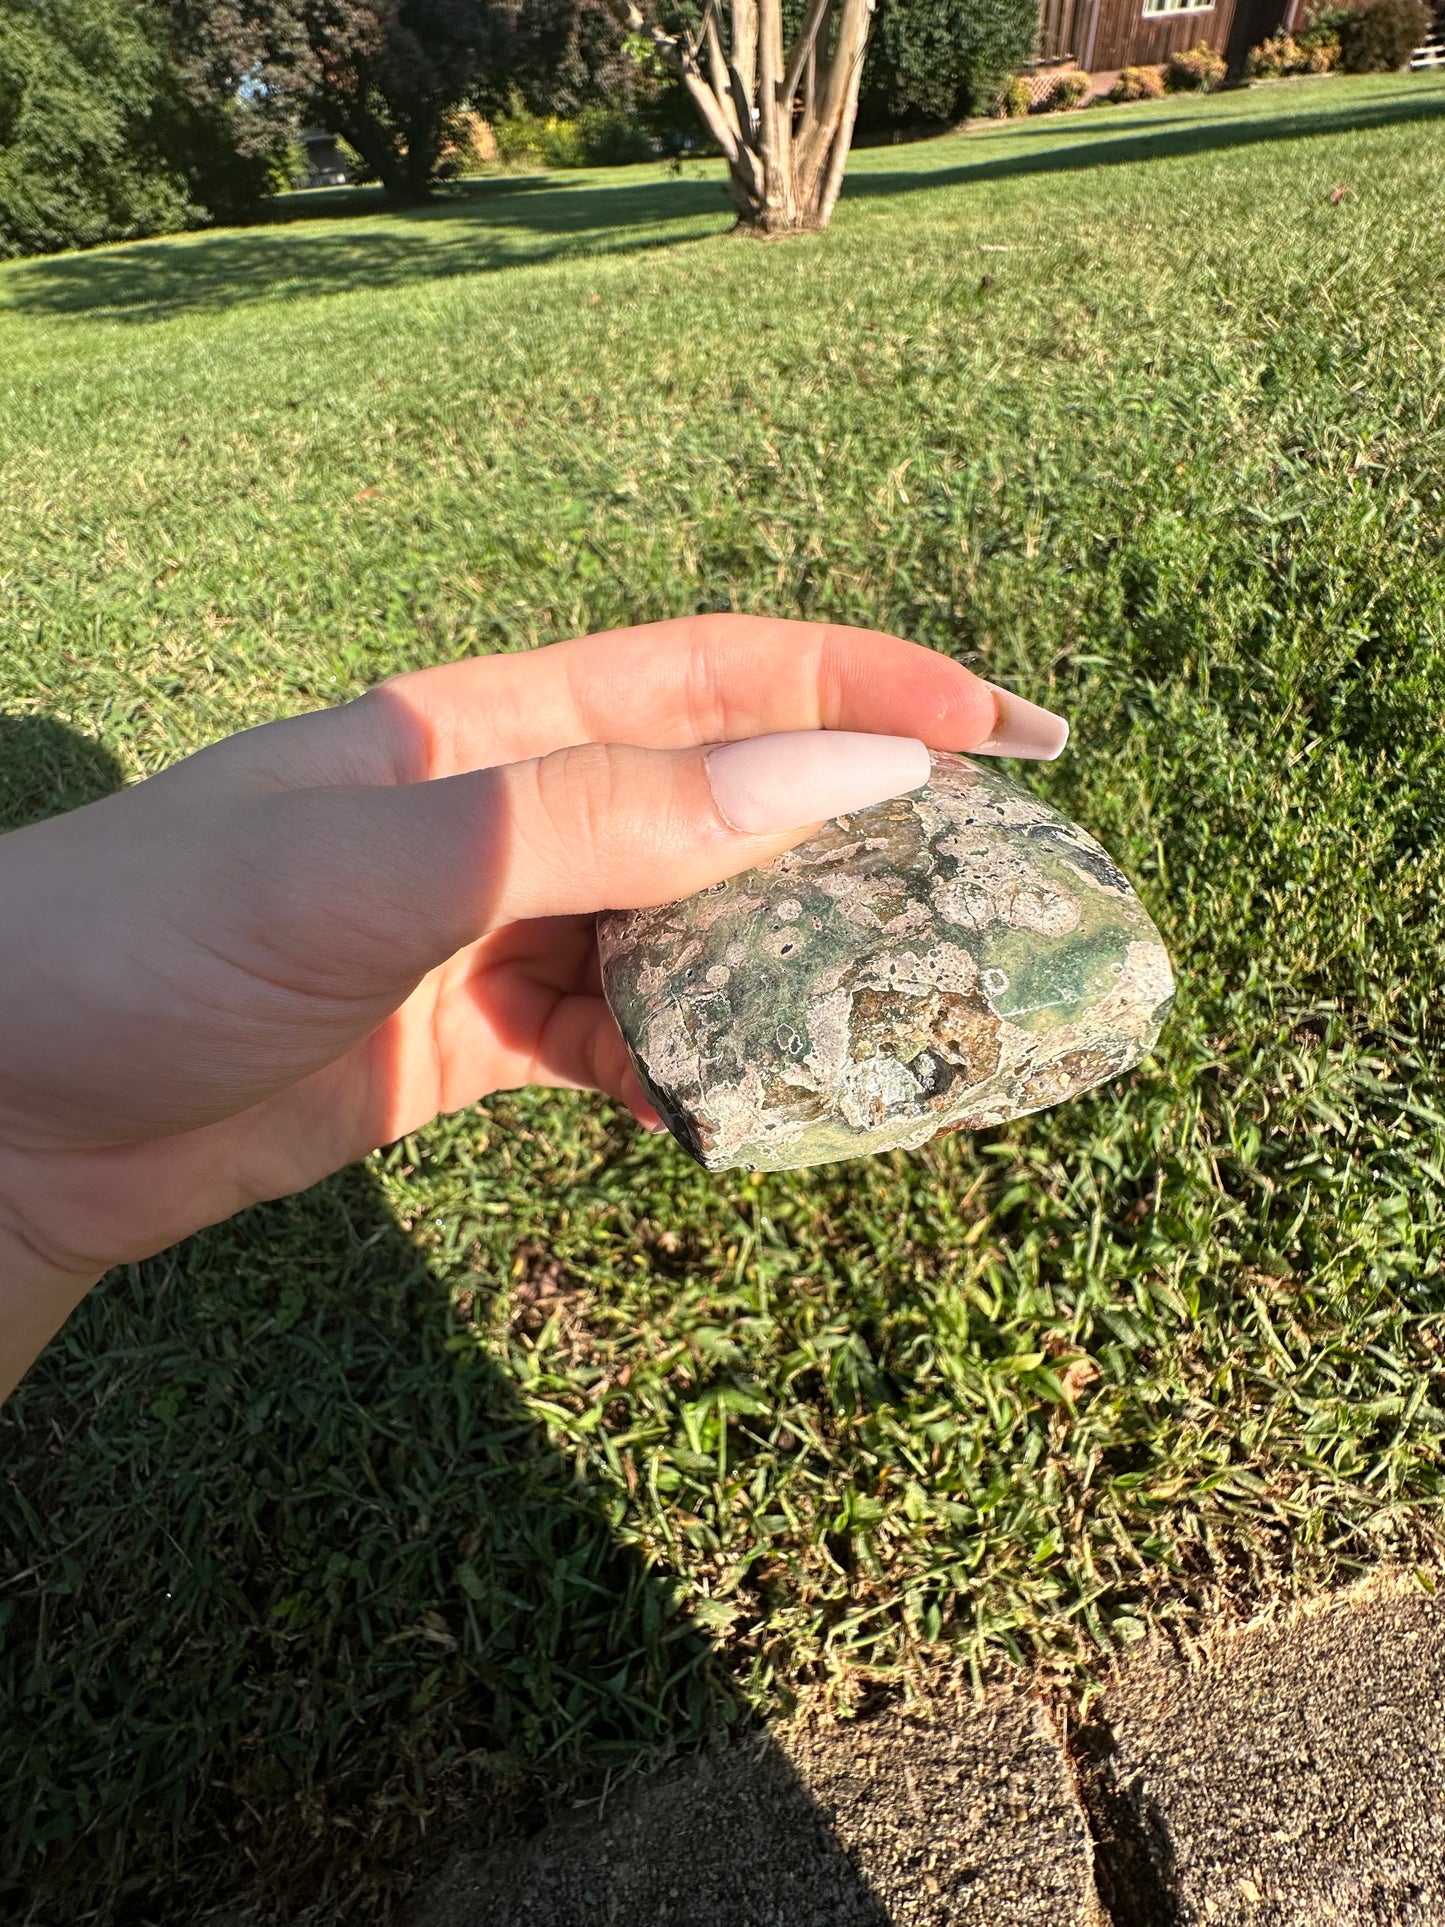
309,939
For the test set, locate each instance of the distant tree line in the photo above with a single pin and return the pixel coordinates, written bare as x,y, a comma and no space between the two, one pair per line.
121,118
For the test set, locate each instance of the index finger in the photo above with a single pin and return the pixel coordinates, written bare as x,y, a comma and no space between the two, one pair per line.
664,685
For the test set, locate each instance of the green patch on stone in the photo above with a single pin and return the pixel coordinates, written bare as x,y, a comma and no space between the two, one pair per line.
952,958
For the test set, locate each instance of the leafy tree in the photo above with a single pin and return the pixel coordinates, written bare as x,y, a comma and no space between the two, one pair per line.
385,75
76,83
558,57
98,141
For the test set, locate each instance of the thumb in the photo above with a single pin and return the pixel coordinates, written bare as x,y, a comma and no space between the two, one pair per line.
608,827
422,869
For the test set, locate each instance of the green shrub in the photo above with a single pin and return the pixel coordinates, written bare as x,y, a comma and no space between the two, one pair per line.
525,139
1380,37
1315,51
597,137
1137,83
1319,39
562,143
1196,71
1323,22
1273,57
1014,99
1320,55
611,138
1068,91
286,168
942,60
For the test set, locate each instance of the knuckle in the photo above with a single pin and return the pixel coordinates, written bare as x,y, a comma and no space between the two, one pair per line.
704,700
715,627
578,797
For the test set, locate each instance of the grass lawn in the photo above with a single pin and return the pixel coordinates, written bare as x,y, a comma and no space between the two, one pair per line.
527,1446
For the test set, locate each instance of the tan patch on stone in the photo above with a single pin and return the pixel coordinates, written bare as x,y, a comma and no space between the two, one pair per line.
961,1030
793,1100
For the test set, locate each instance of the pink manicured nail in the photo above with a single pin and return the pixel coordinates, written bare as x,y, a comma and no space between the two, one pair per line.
807,775
1023,729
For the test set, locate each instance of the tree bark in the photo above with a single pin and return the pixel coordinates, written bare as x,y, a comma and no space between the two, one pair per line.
392,167
419,164
783,117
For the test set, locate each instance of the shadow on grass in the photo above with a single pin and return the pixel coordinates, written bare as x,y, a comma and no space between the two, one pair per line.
46,768
294,1588
1072,147
484,226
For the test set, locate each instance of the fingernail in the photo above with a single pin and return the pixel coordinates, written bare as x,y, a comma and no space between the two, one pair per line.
1023,729
807,775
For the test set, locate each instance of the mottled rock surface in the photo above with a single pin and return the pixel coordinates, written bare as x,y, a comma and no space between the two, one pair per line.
950,959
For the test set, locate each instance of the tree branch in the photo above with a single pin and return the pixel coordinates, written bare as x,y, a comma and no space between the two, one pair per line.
836,97
682,57
722,83
744,106
745,42
804,45
843,139
717,122
771,141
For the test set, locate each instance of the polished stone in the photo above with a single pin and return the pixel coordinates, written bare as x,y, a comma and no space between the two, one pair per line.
947,960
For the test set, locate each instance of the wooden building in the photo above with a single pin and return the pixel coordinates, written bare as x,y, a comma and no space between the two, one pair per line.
1101,36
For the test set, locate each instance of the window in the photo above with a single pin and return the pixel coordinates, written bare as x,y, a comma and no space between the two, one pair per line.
1178,6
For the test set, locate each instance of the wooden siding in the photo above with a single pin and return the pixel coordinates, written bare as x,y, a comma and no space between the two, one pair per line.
1118,33
1060,22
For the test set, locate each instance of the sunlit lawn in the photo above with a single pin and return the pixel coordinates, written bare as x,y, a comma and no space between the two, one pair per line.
528,1445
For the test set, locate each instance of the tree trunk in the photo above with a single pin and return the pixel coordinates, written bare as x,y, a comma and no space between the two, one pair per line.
373,142
423,150
783,117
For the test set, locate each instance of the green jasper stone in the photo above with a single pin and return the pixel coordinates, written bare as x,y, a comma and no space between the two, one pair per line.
948,960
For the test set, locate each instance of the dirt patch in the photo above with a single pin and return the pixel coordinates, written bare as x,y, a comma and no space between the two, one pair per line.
1289,1775
967,1818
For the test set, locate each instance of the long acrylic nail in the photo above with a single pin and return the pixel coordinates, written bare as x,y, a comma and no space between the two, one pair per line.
808,775
1023,729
